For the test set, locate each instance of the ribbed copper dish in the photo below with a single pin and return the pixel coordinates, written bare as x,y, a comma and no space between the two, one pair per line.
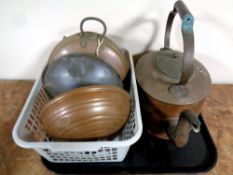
88,112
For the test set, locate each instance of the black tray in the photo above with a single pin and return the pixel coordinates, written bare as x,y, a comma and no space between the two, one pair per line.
152,155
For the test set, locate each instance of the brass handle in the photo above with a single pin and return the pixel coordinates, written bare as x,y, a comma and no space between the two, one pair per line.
95,19
188,38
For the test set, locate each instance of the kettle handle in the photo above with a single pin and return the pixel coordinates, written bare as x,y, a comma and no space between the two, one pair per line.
188,38
180,134
95,19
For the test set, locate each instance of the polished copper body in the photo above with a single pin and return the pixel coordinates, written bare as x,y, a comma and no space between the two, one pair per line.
89,112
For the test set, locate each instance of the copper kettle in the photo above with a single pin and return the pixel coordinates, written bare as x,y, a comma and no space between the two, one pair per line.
175,84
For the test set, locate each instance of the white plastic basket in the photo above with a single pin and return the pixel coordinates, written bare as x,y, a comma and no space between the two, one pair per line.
28,132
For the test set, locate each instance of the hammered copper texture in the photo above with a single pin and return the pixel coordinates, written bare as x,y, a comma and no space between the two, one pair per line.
217,112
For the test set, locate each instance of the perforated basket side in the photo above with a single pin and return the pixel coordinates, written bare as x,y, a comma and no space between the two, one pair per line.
103,154
33,125
29,133
129,130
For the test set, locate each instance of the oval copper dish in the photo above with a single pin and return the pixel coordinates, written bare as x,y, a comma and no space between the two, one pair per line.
78,70
88,112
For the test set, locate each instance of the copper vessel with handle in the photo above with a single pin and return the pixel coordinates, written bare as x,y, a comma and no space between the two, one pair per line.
174,83
95,44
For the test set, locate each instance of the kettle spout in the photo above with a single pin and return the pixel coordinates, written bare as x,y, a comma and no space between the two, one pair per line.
180,134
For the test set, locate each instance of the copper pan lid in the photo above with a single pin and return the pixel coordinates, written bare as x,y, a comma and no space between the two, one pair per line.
92,43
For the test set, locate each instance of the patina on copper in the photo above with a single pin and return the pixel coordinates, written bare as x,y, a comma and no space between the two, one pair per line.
93,44
175,83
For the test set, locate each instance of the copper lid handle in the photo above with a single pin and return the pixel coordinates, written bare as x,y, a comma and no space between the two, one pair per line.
95,19
100,39
188,38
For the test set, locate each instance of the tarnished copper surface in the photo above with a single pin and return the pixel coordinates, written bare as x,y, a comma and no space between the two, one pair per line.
168,100
157,114
92,43
157,85
174,81
108,51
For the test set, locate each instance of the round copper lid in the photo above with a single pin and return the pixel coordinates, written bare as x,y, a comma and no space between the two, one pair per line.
159,79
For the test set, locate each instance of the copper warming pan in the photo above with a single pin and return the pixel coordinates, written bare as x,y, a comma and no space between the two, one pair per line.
93,44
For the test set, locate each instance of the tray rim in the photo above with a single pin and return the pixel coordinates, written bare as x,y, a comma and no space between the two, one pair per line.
199,169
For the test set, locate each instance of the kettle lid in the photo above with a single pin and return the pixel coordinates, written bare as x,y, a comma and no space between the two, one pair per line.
169,63
170,76
164,87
